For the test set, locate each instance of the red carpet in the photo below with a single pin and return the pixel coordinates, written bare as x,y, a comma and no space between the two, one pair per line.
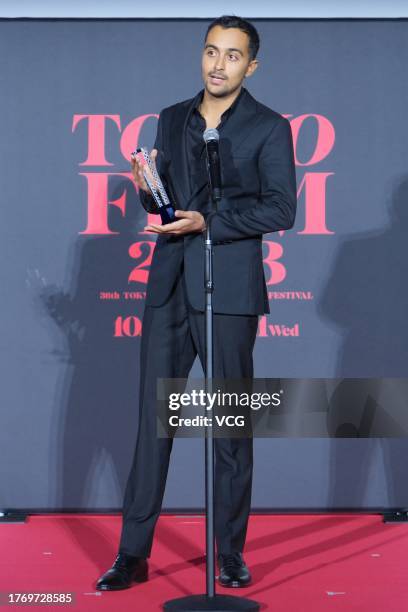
299,563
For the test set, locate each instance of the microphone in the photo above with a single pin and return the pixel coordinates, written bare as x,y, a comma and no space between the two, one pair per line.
211,138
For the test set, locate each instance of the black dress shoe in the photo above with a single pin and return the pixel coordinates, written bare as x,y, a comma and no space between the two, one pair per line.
233,570
125,570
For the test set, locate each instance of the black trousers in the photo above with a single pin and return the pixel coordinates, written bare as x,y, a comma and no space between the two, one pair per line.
172,335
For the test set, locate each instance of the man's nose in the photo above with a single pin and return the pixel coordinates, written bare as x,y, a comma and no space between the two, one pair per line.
220,63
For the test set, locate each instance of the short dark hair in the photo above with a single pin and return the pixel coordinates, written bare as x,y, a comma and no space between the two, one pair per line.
232,21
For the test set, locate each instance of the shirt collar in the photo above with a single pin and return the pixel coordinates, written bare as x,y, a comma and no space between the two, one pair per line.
227,111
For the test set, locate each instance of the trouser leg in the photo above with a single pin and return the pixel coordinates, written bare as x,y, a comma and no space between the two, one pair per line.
234,338
167,351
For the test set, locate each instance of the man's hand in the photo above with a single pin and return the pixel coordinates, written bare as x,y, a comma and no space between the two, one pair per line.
138,163
190,221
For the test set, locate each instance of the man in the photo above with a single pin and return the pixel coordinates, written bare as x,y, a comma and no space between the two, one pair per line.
259,196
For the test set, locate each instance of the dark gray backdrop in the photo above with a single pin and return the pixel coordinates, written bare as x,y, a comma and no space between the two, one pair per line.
69,388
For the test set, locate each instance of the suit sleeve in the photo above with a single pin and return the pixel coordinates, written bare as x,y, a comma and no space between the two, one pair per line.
147,199
276,209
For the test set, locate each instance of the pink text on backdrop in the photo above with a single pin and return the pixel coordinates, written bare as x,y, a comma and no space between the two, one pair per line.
312,189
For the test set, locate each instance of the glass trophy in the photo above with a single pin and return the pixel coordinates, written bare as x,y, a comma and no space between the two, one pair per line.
166,208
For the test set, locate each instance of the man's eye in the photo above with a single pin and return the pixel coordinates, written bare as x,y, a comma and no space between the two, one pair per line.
233,57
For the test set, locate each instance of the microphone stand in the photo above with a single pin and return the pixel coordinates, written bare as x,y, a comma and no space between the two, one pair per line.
210,600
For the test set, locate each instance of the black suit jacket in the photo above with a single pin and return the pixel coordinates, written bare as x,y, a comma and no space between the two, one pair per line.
259,196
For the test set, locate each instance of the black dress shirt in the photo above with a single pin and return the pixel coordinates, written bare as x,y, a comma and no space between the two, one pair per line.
195,145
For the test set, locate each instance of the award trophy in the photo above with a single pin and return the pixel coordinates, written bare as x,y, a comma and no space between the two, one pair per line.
166,209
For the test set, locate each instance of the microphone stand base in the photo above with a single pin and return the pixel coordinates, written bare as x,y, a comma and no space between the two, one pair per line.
217,603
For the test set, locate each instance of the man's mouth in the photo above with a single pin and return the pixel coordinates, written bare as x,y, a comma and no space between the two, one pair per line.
215,78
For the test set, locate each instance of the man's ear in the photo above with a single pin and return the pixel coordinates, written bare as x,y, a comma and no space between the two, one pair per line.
252,66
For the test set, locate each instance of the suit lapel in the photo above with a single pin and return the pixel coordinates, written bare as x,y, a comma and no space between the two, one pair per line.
240,124
178,148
